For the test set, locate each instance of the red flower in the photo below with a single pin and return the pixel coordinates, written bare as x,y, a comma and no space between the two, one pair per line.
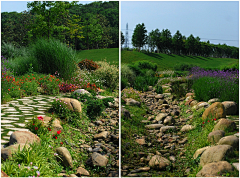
40,118
215,119
208,120
33,124
203,123
61,143
56,137
58,132
36,128
49,129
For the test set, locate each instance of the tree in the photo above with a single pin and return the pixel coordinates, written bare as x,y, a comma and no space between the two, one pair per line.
139,36
166,40
177,42
49,17
122,39
154,39
190,42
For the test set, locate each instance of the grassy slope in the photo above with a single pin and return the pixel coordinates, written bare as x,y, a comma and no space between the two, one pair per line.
110,54
165,61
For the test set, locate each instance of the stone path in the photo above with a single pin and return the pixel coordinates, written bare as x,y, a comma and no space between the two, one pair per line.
15,114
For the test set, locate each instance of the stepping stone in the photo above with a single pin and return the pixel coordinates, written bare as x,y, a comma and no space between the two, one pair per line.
26,112
10,109
4,141
26,108
28,118
42,102
10,118
6,121
37,99
11,112
19,105
20,124
35,106
18,129
39,112
8,125
13,102
6,138
23,99
10,133
15,115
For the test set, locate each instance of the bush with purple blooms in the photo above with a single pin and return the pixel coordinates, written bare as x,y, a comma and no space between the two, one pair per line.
215,84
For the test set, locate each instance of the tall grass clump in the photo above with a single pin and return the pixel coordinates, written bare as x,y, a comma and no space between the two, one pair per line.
127,73
216,84
52,56
108,74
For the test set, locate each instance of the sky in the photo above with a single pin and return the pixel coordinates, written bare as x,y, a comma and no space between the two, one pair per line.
216,21
19,6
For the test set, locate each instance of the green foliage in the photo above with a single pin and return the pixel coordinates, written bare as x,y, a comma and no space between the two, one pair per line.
206,88
139,37
94,106
124,83
109,74
88,64
9,50
127,74
52,56
159,89
183,67
141,83
232,67
146,65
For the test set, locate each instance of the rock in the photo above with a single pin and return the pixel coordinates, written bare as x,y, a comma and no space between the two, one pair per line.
162,101
161,116
213,100
172,158
188,102
175,113
230,140
154,126
215,154
65,156
72,104
159,96
3,174
200,151
8,151
82,91
158,162
215,136
103,134
225,125
230,107
23,137
169,120
125,113
183,141
72,175
236,165
113,174
216,110
132,102
201,105
167,129
56,126
193,103
82,172
189,94
187,128
141,141
97,160
215,169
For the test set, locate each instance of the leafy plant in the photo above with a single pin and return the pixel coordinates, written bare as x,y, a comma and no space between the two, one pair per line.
88,64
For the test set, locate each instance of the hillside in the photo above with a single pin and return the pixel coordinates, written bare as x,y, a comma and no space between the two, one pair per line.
168,61
110,54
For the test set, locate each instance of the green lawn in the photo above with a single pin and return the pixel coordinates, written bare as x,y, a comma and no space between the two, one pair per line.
165,61
110,54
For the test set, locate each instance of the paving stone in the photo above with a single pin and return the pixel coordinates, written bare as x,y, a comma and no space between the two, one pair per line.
39,112
18,129
26,112
6,121
10,118
4,141
11,112
35,106
10,133
10,109
7,125
15,115
6,138
20,124
23,99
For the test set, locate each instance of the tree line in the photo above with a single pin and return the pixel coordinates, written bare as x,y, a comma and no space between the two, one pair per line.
90,26
178,44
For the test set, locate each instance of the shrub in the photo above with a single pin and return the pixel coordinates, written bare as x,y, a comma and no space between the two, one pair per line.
8,50
142,82
159,89
146,65
233,67
183,67
52,56
109,74
136,69
124,83
127,73
88,64
94,106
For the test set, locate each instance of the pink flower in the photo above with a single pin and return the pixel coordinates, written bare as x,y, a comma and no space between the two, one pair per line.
40,118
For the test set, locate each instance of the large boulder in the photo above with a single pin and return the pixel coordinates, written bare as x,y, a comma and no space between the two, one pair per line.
216,110
201,105
72,104
230,107
23,137
225,125
65,156
215,136
158,162
8,151
56,124
200,151
230,140
213,100
215,169
82,91
215,154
